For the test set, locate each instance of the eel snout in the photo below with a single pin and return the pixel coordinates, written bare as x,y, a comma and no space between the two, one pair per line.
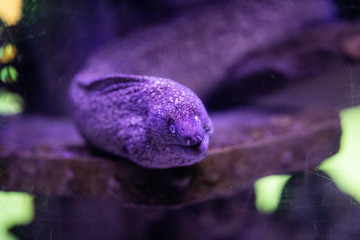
193,140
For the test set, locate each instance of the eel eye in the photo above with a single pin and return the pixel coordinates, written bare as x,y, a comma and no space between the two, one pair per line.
172,128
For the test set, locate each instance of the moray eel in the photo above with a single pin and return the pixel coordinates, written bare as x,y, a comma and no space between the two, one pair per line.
159,123
154,122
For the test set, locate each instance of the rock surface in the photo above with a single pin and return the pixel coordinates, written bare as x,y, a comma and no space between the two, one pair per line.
47,156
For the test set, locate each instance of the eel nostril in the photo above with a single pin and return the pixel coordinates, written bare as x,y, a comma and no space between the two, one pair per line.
190,141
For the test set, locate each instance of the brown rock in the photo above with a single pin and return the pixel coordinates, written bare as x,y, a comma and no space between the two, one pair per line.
46,156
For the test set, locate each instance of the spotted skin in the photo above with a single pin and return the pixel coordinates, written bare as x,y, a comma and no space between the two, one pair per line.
154,122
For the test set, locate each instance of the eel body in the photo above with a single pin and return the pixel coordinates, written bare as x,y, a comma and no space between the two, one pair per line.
202,47
157,122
